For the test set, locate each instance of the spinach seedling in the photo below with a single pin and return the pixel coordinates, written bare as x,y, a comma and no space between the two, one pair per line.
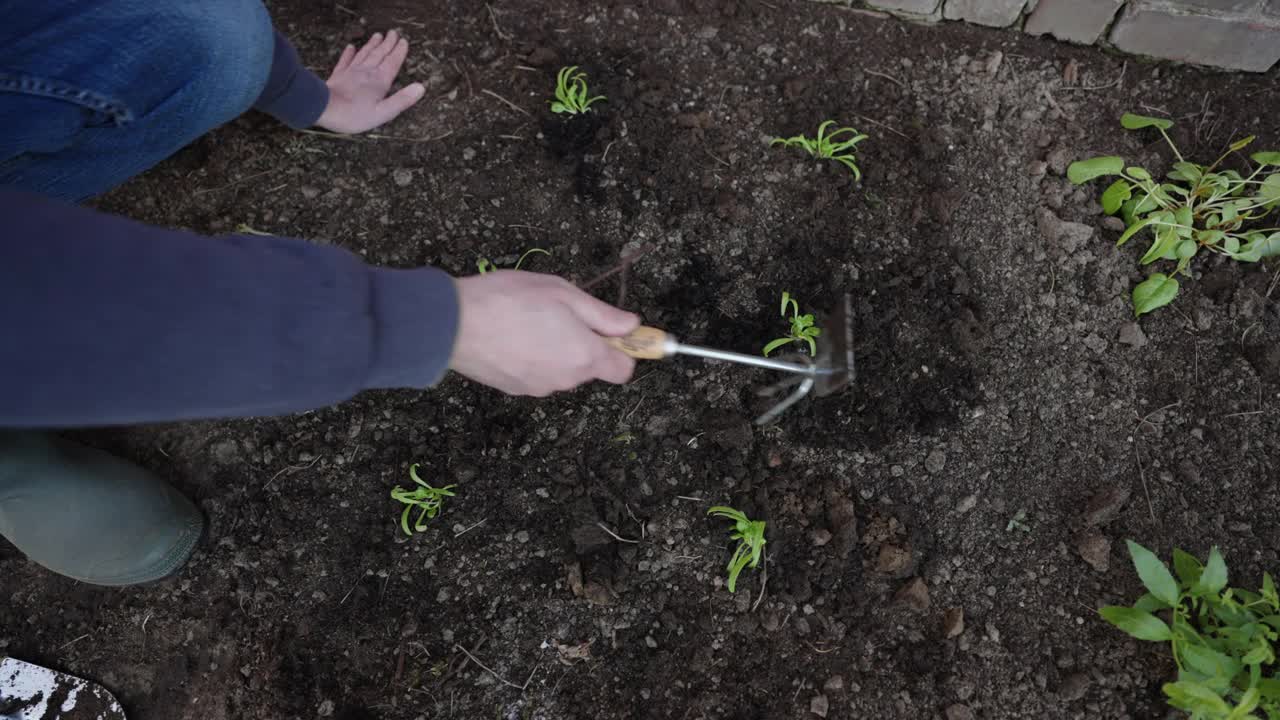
750,537
1199,207
571,93
485,265
1223,639
424,497
825,146
802,329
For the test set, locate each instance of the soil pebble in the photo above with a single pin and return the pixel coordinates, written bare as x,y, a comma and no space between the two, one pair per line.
913,595
893,560
935,462
1104,506
953,622
1074,687
834,684
1131,334
1095,549
819,705
959,712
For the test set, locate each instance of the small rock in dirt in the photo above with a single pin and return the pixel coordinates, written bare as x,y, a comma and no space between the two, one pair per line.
992,66
542,56
819,705
1131,334
1095,549
843,522
1058,161
966,504
913,595
597,594
953,623
770,622
650,642
821,537
700,120
1074,687
1037,168
402,176
795,87
1096,343
959,712
834,684
892,560
573,576
1114,224
225,451
1106,505
522,536
935,462
325,709
309,192
468,154
1069,235
588,537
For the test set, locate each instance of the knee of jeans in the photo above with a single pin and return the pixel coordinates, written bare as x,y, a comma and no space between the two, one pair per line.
224,50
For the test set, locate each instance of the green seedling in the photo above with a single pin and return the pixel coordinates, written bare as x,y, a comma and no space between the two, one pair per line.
1222,639
1018,522
802,328
750,537
485,265
427,499
827,147
1199,207
571,93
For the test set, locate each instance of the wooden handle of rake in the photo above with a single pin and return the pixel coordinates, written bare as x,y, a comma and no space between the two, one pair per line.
643,343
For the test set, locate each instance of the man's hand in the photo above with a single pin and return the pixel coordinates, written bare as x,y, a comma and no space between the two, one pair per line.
531,334
359,85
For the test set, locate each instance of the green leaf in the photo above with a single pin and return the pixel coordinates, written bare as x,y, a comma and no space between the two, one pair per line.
1154,292
1247,703
1269,591
1194,697
1150,603
1212,664
1186,249
1214,577
1261,654
1137,172
1137,623
1187,567
1136,122
1259,247
1134,228
1210,237
775,345
1186,172
1232,245
1266,158
1162,248
1082,171
1115,196
1269,190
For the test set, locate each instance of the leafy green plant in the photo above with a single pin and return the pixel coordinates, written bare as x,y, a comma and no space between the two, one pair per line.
571,93
802,328
1199,207
427,499
825,146
485,265
750,537
1223,639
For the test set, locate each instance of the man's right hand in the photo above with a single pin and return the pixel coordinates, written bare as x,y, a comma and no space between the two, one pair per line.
531,334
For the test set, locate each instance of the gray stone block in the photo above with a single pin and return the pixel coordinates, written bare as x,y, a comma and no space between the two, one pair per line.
1078,21
1222,6
995,13
1225,42
917,8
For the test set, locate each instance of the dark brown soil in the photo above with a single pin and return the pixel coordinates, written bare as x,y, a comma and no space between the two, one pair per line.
992,384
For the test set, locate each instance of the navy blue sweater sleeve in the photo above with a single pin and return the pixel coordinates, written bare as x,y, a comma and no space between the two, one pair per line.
293,94
108,321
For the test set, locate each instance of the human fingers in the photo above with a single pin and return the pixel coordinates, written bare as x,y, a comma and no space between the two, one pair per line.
390,66
598,315
614,366
348,54
378,54
368,48
391,107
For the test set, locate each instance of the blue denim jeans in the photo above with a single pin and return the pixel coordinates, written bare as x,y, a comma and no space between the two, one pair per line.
93,92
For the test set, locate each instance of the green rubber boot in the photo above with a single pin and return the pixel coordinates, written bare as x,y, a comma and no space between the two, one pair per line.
92,516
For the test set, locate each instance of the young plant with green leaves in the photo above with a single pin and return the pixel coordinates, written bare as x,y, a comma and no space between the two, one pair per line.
802,328
827,147
750,536
485,265
1198,207
428,500
572,97
1223,639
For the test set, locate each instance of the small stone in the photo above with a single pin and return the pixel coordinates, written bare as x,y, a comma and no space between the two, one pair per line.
819,705
325,709
966,504
701,120
1058,161
892,560
834,685
650,642
1131,334
1095,549
1068,235
821,536
522,536
309,192
959,712
992,66
1074,687
953,622
913,595
935,462
1106,505
1114,224
468,154
1037,168
1096,343
770,622
225,451
402,176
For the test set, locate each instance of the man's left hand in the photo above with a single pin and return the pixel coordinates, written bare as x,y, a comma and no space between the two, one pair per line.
358,87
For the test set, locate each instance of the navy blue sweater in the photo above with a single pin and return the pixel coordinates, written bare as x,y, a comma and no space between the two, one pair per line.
105,321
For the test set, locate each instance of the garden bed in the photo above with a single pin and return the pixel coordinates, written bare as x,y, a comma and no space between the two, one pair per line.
999,378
